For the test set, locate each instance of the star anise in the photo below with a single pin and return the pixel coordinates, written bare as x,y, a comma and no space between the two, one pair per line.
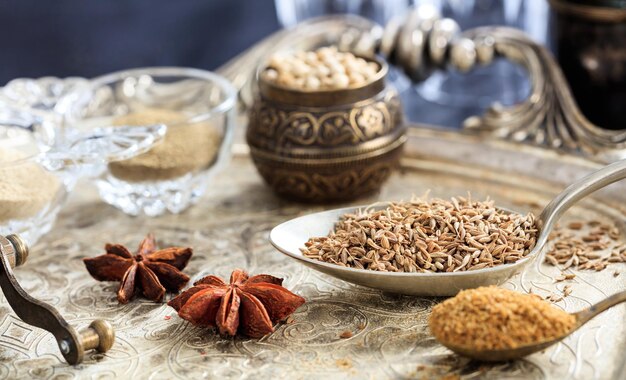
151,270
250,305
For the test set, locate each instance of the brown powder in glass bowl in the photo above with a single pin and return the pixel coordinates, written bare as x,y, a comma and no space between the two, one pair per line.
492,318
186,147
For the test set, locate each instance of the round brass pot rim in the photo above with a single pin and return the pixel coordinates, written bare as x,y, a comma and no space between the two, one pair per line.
326,97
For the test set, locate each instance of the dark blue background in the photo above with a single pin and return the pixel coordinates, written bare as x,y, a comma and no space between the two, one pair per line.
92,37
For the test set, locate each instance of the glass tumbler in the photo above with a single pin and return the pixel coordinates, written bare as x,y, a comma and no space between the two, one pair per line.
196,106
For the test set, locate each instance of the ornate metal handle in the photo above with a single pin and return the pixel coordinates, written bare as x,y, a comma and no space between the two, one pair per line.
423,41
72,344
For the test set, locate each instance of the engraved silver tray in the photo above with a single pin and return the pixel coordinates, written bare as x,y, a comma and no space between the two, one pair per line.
229,228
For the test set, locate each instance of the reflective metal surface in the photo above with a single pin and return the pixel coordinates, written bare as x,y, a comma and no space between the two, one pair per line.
549,116
290,236
330,145
389,335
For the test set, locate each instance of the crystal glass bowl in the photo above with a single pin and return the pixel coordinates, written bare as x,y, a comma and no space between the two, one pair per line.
32,186
41,158
40,163
198,108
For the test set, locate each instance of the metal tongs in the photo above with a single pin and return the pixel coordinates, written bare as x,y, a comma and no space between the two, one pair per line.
72,343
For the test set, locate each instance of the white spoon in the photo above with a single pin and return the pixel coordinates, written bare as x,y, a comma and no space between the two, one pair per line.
290,236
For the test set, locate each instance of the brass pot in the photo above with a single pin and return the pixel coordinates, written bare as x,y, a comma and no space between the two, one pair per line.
326,145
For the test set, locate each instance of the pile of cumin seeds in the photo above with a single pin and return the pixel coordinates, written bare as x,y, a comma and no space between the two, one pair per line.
489,318
424,235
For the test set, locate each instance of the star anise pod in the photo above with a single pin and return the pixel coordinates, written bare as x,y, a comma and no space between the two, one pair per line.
151,270
250,305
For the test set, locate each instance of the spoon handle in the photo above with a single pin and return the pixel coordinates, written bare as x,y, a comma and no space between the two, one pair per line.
576,191
585,315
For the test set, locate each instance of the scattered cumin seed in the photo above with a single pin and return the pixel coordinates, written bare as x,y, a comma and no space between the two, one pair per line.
575,225
346,334
615,274
494,318
564,276
567,290
591,238
554,298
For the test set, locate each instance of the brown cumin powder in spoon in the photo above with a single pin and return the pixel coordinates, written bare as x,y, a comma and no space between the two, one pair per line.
492,318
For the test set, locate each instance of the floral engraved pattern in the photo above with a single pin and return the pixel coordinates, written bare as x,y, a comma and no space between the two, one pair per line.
300,128
343,331
372,121
269,119
275,126
316,186
277,131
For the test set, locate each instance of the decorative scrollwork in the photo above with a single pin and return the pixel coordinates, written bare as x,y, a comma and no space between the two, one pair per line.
319,154
330,182
274,127
422,41
548,117
229,229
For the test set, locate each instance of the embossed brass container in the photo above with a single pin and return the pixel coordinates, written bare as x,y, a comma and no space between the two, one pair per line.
326,145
